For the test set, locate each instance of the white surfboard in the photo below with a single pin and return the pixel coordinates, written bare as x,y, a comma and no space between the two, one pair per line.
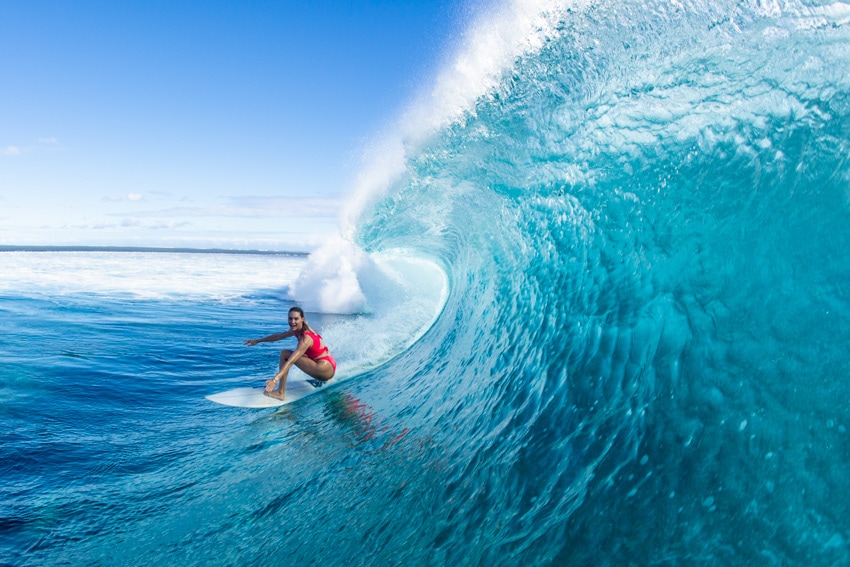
296,388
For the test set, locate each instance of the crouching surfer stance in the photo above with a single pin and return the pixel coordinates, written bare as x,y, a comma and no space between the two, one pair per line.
311,355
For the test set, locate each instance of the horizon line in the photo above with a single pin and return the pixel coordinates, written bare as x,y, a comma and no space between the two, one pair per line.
155,249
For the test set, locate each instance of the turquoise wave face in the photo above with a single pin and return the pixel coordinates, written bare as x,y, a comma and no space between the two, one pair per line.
646,232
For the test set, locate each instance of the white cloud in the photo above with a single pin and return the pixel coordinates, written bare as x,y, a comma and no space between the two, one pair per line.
134,197
169,224
11,151
50,140
130,222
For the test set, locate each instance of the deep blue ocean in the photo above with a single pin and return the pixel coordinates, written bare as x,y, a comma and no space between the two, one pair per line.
598,314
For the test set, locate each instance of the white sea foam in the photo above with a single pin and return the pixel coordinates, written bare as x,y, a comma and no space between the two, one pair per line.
405,296
329,283
147,275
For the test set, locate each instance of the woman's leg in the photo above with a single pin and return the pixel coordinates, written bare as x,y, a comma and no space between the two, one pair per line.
281,388
284,356
321,369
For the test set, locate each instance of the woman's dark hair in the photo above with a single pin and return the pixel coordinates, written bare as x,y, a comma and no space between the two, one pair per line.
301,312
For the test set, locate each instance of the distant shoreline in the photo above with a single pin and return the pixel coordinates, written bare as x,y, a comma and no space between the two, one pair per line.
16,248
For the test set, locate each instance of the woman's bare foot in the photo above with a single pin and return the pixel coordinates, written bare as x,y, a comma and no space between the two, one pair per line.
277,394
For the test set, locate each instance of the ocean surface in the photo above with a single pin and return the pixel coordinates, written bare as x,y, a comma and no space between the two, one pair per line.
596,312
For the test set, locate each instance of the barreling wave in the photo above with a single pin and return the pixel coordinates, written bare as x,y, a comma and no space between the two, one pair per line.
642,213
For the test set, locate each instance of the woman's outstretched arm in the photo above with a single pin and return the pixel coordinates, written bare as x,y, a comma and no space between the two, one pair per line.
271,338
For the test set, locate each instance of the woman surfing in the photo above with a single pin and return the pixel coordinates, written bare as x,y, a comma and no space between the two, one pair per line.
310,356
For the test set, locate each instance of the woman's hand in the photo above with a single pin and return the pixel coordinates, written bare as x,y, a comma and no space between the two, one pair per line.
251,342
270,385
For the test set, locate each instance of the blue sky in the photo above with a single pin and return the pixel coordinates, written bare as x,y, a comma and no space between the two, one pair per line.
200,123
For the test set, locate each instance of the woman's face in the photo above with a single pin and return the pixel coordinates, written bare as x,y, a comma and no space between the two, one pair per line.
295,321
